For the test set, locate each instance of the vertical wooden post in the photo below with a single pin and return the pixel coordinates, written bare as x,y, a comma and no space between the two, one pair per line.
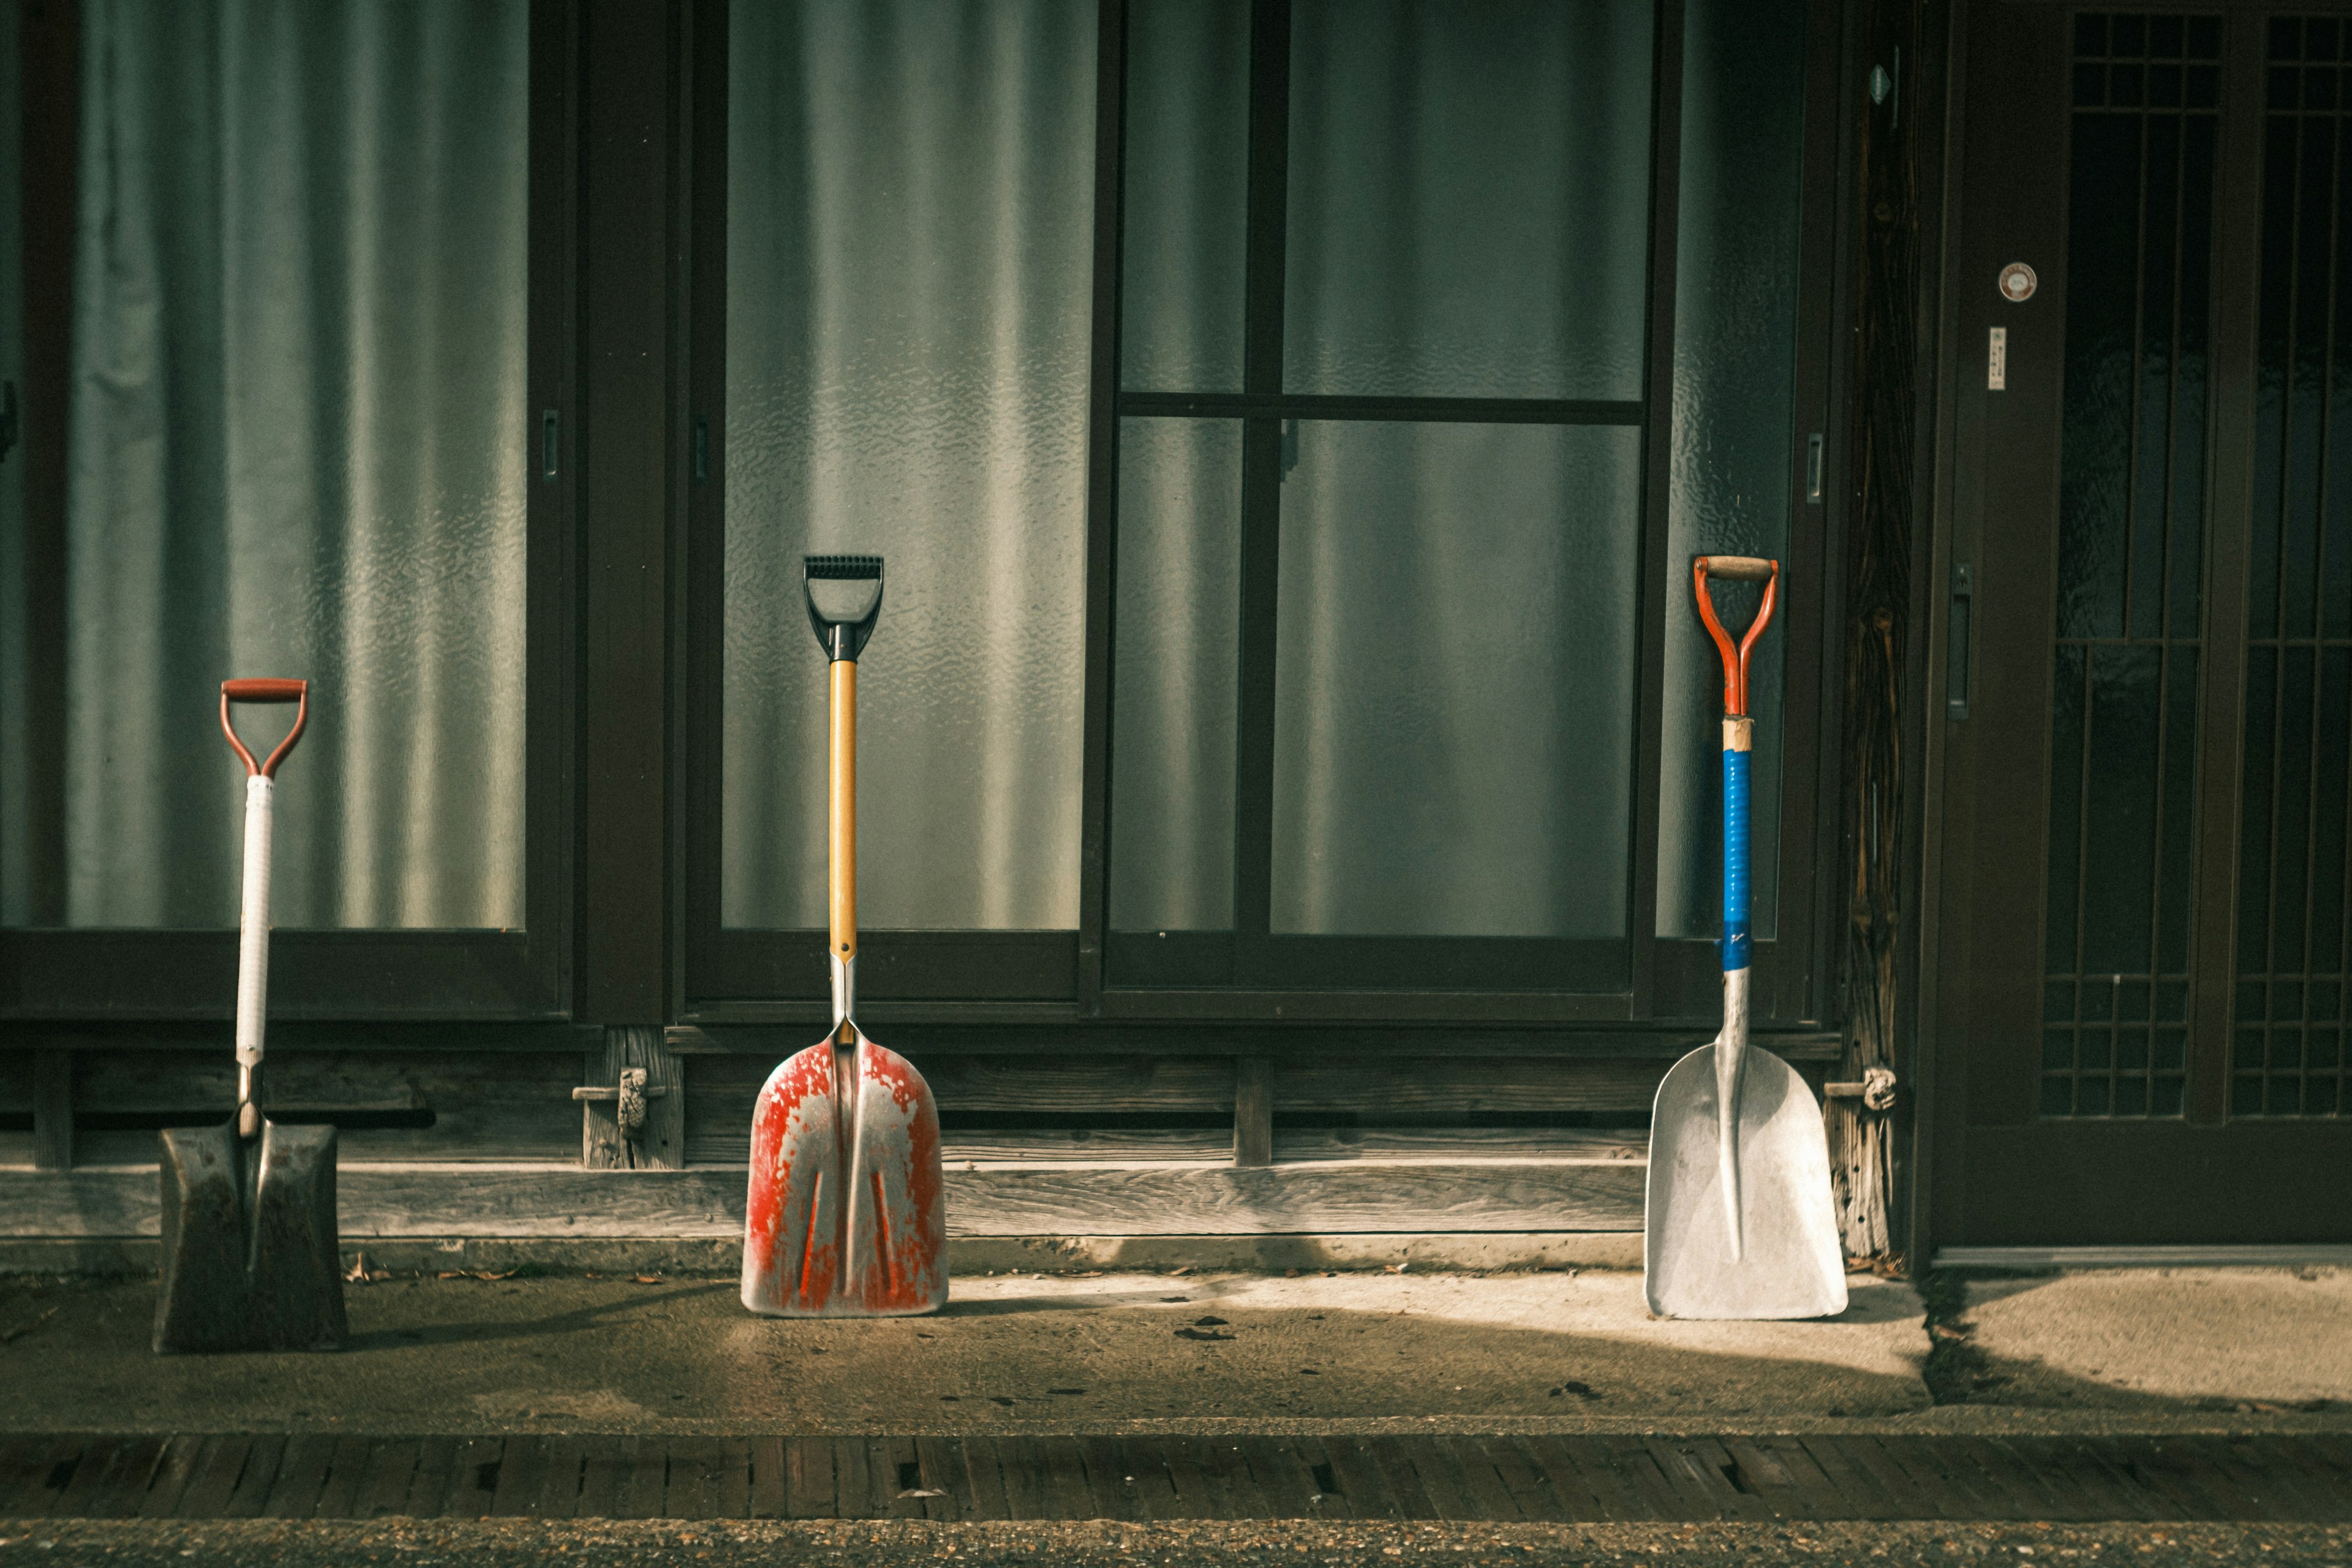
660,1144
632,421
1252,1110
49,42
53,1127
1878,596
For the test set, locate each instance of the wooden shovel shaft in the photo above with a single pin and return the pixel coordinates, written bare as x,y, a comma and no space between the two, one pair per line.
844,809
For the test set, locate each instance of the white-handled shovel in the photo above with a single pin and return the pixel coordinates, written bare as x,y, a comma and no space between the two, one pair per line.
250,1253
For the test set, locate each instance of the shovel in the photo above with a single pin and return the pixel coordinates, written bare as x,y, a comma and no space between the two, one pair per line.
250,1259
845,1217
1741,1222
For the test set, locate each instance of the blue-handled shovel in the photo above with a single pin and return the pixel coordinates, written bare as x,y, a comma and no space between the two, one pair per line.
1742,1220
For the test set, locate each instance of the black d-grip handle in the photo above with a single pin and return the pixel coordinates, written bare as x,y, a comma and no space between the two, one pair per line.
843,636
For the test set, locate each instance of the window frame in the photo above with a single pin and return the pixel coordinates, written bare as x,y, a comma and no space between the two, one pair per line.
731,976
49,973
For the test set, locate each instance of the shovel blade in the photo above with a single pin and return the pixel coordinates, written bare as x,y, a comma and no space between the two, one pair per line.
251,1256
846,1212
1790,1264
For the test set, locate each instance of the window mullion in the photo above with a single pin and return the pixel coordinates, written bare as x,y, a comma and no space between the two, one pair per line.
1269,164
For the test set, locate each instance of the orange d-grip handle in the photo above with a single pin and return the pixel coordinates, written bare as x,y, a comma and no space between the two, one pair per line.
266,689
1737,569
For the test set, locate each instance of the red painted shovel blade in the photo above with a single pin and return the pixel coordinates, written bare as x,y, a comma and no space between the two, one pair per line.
855,1231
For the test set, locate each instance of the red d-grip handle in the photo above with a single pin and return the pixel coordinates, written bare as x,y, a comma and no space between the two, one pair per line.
266,691
1738,569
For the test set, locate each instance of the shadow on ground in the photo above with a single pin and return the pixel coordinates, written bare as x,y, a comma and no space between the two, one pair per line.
2263,1341
586,1354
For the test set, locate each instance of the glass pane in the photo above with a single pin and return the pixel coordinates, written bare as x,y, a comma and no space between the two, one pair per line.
910,189
2295,810
1469,198
1175,693
1455,682
15,904
1734,367
2125,651
1187,195
297,411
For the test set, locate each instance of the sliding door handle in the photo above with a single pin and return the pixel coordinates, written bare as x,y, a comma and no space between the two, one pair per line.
1956,663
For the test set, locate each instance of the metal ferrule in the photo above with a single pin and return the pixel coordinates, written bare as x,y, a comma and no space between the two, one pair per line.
844,988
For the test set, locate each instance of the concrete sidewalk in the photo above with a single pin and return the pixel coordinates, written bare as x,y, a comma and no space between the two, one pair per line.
2148,1341
1011,1352
1562,1350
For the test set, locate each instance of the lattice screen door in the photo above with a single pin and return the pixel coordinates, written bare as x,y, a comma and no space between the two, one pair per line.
2146,941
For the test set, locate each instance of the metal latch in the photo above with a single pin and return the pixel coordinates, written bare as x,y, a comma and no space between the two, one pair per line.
632,1093
1876,1089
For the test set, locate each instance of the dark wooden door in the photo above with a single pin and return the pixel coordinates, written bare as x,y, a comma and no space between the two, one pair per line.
2143,940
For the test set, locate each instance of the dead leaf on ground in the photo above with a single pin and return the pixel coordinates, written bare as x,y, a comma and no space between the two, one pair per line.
1201,1334
1211,1322
646,1278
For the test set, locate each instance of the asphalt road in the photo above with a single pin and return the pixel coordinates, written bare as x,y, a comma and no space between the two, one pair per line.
510,1544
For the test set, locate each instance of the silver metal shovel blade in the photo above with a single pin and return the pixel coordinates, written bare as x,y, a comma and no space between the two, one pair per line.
1788,1263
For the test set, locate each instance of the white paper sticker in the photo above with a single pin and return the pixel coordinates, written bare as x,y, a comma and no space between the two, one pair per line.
1997,361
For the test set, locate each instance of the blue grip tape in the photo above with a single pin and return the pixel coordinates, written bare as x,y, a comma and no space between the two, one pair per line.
1735,861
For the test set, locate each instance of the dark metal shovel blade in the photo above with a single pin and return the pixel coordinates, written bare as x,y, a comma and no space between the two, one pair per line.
250,1256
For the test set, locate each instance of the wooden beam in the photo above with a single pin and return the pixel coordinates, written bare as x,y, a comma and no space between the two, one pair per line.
53,1110
1369,1196
1252,1110
928,1038
50,44
632,266
659,1144
1091,1146
212,1037
1398,1089
1881,505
